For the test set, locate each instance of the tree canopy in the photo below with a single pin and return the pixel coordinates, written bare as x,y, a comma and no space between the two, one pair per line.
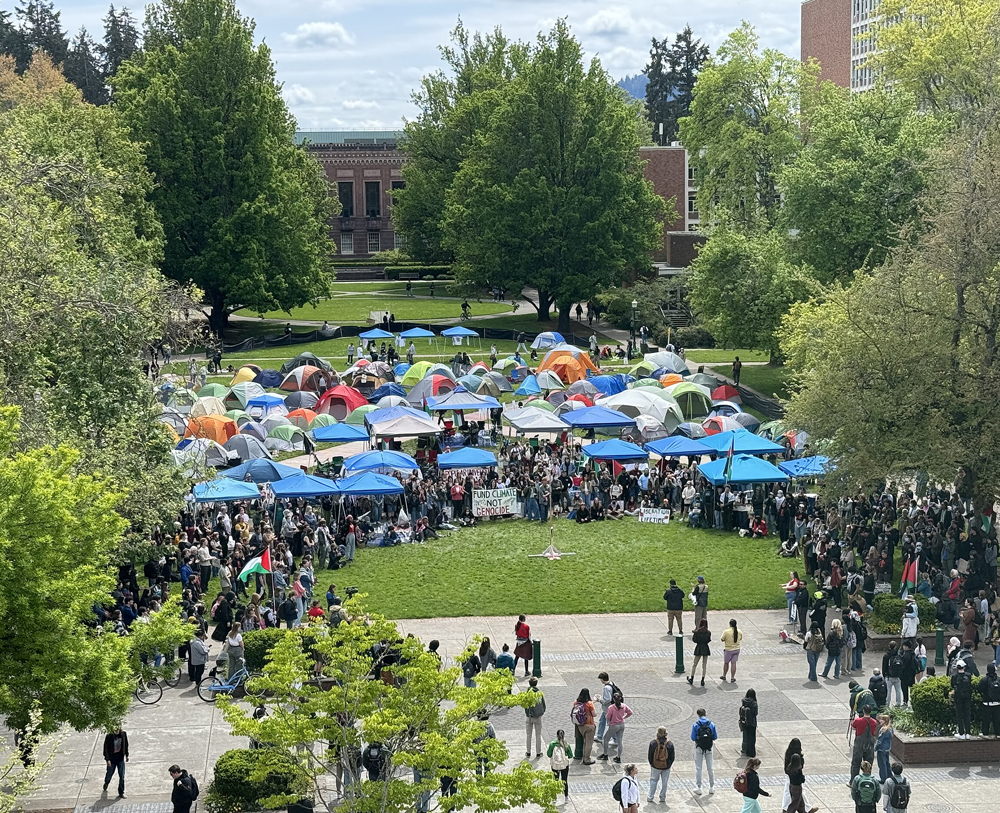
672,71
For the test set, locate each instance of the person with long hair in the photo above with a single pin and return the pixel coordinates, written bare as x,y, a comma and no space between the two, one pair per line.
748,723
701,638
754,790
616,714
883,742
583,720
732,640
523,647
560,754
487,657
794,796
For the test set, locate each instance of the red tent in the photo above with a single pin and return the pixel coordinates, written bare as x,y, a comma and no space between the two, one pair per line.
340,401
726,393
583,399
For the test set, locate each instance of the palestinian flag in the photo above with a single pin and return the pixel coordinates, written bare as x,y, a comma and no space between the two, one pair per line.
259,564
727,472
909,580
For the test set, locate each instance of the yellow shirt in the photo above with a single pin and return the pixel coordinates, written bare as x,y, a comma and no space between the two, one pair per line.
728,641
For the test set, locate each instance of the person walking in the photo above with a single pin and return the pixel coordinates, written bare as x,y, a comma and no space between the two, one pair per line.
989,689
660,757
559,755
674,597
883,744
582,716
184,790
700,592
737,369
865,790
701,638
864,728
703,735
607,694
732,640
533,719
748,723
834,643
115,756
896,791
616,714
630,790
961,693
814,644
753,790
197,657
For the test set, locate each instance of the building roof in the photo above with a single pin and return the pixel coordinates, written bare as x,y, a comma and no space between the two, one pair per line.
349,137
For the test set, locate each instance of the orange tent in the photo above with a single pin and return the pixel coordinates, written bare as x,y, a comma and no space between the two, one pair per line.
569,365
670,379
214,427
301,417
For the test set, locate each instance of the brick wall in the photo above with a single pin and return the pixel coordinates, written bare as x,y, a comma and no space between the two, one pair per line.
826,37
666,169
944,750
682,248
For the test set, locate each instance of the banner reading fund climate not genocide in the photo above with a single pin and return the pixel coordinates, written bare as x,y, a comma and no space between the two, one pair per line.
494,502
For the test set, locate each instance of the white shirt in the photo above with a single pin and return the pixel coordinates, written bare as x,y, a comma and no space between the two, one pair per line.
630,791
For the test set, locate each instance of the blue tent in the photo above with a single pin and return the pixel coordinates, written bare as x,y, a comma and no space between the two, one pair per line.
400,369
268,379
679,446
529,387
417,333
467,458
743,442
746,469
461,400
387,389
303,485
225,490
382,415
807,466
338,433
260,471
376,333
458,331
615,450
610,384
368,484
596,417
366,461
266,401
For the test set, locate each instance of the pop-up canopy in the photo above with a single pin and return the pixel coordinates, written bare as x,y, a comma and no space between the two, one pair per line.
339,433
467,458
615,450
225,490
807,466
679,446
303,485
746,469
260,471
368,484
597,417
743,442
375,333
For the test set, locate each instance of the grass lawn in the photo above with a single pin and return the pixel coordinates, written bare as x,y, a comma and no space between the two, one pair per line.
335,350
356,308
767,380
619,566
717,356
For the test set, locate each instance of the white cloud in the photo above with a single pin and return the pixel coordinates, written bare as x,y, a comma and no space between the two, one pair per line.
298,94
358,104
319,35
615,21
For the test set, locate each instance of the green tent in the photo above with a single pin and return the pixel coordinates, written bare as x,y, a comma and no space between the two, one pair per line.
242,393
322,420
692,400
217,390
357,418
415,373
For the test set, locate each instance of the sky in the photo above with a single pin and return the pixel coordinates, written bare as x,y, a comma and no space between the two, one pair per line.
353,64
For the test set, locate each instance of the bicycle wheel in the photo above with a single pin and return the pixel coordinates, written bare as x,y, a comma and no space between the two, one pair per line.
173,678
148,693
208,689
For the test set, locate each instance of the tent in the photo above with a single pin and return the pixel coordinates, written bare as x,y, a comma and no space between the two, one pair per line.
529,387
664,358
253,429
175,419
506,364
246,373
670,379
479,368
429,387
214,427
200,451
646,429
376,333
718,424
301,400
268,379
541,403
339,433
308,378
461,400
583,388
679,446
642,368
368,484
548,380
239,416
225,490
726,393
597,417
467,458
458,330
469,382
743,442
705,380
533,421
518,373
380,461
615,449
692,399
690,429
241,393
417,333
646,383
816,466
247,447
301,360
410,424
401,369
543,341
267,404
216,390
772,429
640,402
209,405
260,471
749,422
322,419
301,417
286,439
745,469
303,485
367,384
390,401
357,417
182,399
726,409
269,422
488,386
569,363
608,384
340,401
415,373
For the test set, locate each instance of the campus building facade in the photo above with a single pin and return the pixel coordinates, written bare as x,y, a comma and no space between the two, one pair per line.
838,35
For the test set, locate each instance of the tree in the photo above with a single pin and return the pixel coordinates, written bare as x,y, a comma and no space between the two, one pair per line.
550,193
421,714
743,129
244,211
121,40
83,69
41,30
672,72
12,40
854,190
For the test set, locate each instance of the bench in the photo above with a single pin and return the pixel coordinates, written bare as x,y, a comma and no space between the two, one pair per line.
409,275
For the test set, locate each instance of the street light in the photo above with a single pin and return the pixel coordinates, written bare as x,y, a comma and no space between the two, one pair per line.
635,316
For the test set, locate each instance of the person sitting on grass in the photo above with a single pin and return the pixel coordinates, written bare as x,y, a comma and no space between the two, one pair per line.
758,527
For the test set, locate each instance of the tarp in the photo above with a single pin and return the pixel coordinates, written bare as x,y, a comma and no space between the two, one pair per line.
458,331
807,466
269,378
467,458
744,442
225,490
417,333
615,450
597,417
461,400
339,433
607,384
368,484
679,446
543,341
260,471
746,469
380,461
375,333
303,485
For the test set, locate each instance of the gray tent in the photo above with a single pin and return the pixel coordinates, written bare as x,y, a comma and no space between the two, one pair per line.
247,447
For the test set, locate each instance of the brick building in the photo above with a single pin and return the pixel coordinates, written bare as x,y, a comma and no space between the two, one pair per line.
363,167
826,37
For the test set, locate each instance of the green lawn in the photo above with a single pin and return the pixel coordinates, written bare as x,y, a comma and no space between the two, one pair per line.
767,380
335,350
619,566
355,309
717,356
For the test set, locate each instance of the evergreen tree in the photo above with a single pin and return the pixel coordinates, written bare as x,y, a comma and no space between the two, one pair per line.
672,71
121,40
83,69
12,40
41,30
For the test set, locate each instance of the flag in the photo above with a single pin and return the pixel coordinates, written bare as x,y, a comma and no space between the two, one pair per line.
987,521
909,580
727,472
259,564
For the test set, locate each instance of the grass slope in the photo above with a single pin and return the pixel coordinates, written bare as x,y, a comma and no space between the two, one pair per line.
619,566
767,380
355,309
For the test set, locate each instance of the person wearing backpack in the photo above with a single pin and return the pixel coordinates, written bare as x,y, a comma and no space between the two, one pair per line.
626,790
559,755
703,735
608,689
892,668
989,689
660,758
748,723
865,790
879,688
896,791
582,716
471,667
184,791
961,693
834,643
814,644
533,719
747,782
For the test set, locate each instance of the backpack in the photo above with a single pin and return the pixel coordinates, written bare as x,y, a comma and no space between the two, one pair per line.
538,709
558,761
579,714
616,790
615,690
866,789
880,691
743,716
740,782
704,739
895,665
471,667
816,643
660,756
834,643
195,790
899,796
963,686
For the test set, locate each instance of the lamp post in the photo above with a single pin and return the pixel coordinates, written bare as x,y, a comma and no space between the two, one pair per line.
635,316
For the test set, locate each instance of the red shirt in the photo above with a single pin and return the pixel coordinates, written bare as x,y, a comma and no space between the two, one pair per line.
316,612
859,724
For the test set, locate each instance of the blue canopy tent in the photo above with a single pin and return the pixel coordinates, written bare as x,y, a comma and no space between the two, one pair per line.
529,387
742,441
260,471
303,485
375,460
265,402
746,469
368,484
386,389
615,450
225,490
679,446
467,458
417,333
461,400
376,333
458,330
807,466
390,414
597,417
339,433
610,384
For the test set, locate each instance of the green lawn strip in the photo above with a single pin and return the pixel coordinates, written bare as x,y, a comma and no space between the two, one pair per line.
619,566
335,350
355,309
767,380
718,356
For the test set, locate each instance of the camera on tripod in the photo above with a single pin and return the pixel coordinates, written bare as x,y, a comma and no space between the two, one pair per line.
351,592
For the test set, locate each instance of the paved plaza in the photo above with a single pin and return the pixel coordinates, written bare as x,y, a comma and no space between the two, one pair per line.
639,655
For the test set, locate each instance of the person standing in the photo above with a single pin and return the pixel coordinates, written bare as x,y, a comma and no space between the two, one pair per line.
748,723
700,591
660,757
560,754
703,735
883,744
674,597
522,643
582,716
607,694
737,369
197,657
753,789
732,640
864,740
892,669
184,791
834,643
961,693
116,755
351,350
701,638
790,587
234,648
814,644
630,790
896,791
616,714
865,790
533,719
989,689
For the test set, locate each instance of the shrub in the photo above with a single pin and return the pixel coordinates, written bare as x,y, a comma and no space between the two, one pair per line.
246,779
257,644
887,615
933,711
693,336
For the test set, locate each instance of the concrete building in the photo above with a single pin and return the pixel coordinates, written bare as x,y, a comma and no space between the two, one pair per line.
837,33
863,14
673,177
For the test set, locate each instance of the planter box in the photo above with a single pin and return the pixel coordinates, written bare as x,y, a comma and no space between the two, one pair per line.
944,750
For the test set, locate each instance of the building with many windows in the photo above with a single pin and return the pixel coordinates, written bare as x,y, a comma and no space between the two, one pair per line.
863,13
838,35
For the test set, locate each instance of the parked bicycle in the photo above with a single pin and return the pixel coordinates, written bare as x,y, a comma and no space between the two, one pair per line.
147,690
207,690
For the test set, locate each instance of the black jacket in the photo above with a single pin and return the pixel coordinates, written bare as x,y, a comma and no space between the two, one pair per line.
109,748
183,793
652,749
989,688
674,598
753,786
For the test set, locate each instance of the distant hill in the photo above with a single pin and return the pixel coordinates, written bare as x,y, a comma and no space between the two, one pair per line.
635,86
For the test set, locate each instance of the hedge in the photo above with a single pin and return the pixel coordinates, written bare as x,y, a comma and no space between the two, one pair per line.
257,644
424,271
933,713
234,789
887,614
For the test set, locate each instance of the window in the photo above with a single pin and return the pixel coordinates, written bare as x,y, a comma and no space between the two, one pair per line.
399,184
691,173
346,242
373,199
345,194
374,242
398,240
692,203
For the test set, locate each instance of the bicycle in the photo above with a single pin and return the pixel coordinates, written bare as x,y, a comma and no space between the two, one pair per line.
147,691
173,677
207,691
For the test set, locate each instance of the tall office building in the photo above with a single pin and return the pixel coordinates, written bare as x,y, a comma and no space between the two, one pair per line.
863,13
837,33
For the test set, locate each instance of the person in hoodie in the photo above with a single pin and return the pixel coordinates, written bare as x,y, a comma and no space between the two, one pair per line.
674,597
